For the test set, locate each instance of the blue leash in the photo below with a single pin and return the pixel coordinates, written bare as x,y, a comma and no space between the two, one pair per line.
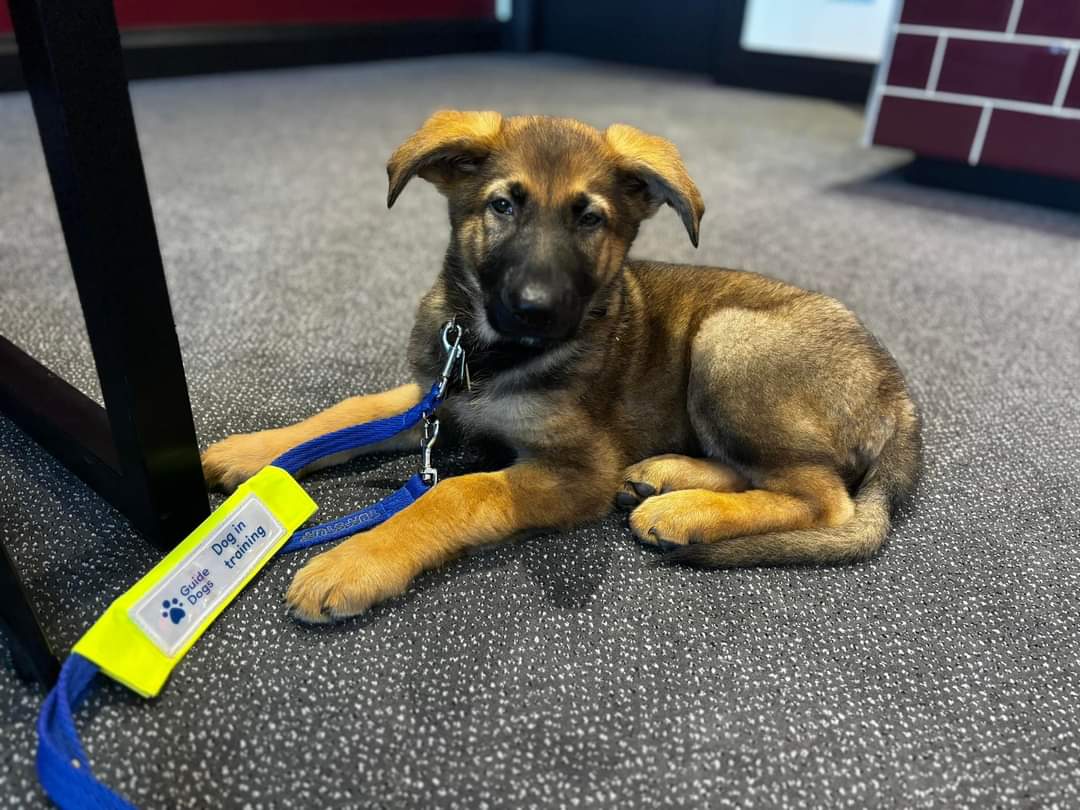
351,438
62,765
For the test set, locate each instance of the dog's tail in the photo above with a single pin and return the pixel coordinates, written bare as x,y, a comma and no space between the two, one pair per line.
887,485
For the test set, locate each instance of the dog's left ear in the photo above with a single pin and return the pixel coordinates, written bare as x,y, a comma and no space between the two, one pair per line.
449,144
655,168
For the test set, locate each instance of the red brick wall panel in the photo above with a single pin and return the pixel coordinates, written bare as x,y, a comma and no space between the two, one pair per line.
1011,66
928,127
1034,143
911,59
1002,70
987,15
1052,18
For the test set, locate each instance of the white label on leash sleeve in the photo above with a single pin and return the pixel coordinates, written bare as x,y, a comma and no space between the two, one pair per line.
180,605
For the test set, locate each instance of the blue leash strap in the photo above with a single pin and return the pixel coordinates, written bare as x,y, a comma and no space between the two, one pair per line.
351,438
363,435
62,766
358,521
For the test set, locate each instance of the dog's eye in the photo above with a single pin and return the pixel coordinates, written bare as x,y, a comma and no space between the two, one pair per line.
590,220
501,205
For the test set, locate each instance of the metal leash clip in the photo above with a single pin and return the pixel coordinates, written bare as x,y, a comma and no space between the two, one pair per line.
455,355
428,473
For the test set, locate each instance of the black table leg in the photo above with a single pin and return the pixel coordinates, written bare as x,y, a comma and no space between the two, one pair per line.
74,69
29,647
140,451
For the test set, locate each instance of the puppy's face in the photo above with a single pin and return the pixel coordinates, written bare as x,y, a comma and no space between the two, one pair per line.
543,210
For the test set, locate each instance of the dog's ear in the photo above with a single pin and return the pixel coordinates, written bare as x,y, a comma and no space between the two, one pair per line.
448,144
655,171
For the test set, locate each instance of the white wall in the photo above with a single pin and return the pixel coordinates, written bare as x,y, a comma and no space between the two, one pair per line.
852,30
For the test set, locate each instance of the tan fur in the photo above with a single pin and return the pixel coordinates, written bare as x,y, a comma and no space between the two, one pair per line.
660,164
467,133
798,498
746,421
228,463
671,472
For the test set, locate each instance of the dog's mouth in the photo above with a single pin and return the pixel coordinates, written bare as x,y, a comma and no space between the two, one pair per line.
535,343
504,353
525,346
528,341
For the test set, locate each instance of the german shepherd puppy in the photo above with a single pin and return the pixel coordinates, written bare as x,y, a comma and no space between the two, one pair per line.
741,420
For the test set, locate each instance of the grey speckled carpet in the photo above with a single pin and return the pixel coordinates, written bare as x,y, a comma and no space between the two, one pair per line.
564,670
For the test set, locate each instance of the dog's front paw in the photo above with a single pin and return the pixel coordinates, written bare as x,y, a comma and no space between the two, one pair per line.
232,461
347,581
668,520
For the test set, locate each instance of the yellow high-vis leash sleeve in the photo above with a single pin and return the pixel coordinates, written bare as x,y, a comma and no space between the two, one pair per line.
145,632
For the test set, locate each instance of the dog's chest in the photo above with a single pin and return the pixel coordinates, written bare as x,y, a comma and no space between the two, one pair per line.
519,419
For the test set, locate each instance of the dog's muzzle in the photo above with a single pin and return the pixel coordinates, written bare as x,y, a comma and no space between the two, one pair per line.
536,305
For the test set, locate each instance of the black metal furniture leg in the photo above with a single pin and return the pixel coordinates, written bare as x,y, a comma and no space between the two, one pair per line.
139,451
71,58
29,647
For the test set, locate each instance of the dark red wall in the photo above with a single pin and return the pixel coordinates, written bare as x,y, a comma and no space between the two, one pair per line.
155,14
1001,97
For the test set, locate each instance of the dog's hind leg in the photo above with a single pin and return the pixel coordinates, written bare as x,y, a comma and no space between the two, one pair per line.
809,497
230,462
671,472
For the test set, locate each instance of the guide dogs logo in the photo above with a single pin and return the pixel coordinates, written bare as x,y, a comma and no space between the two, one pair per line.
172,610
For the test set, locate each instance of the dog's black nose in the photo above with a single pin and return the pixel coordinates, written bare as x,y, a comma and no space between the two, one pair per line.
532,306
548,309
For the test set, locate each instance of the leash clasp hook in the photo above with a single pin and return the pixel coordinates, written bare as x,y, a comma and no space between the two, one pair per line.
455,353
428,473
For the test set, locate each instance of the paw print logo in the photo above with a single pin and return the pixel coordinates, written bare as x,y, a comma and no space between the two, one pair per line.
172,610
